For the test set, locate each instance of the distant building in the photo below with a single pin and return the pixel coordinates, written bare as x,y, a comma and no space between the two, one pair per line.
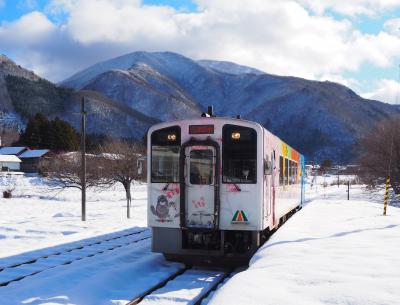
309,169
10,163
31,159
13,150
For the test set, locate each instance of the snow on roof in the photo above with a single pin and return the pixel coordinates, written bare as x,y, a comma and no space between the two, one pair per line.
9,158
11,150
34,153
110,156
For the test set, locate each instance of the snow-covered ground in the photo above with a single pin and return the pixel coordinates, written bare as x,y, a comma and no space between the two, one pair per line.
333,251
109,278
40,216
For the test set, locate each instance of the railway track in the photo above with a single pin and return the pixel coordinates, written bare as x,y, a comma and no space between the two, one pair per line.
18,270
186,286
191,286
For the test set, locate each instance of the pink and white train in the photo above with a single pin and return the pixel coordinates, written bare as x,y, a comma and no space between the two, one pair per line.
217,187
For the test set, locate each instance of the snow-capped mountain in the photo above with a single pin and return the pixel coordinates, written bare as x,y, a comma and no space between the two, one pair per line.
23,94
9,117
127,94
144,89
321,119
8,67
228,67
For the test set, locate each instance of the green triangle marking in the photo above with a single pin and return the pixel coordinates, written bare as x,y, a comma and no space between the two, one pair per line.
235,216
244,216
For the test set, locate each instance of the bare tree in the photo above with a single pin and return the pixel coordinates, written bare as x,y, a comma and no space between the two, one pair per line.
65,170
9,135
122,160
380,154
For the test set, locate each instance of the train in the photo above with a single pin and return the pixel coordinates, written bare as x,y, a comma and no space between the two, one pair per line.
218,187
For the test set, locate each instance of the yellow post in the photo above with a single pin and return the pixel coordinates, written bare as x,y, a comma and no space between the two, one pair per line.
386,195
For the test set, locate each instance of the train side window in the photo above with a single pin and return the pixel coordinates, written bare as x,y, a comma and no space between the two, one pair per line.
239,154
280,170
165,147
286,177
292,176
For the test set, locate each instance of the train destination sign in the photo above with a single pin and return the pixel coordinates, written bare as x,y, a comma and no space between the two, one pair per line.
201,129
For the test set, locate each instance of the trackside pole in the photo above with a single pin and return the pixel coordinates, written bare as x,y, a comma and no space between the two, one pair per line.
83,161
386,195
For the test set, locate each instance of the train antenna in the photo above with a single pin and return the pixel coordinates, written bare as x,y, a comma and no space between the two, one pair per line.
210,110
209,113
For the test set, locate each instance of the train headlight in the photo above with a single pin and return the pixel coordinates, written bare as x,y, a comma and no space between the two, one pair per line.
235,135
171,137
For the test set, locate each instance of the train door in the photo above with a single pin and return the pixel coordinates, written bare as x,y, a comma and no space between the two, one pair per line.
272,193
200,186
267,188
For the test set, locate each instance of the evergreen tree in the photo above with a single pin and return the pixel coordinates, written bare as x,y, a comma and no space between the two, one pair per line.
65,136
35,133
56,134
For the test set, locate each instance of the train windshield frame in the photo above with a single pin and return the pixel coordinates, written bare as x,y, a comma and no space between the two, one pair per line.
239,154
165,152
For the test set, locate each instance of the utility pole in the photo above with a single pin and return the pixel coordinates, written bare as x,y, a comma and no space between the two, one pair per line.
83,157
385,200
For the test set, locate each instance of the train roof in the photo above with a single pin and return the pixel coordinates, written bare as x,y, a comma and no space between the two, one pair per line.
204,120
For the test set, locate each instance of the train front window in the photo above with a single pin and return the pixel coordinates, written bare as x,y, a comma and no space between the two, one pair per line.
165,146
239,154
201,166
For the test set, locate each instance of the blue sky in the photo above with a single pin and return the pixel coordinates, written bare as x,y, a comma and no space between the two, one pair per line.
355,43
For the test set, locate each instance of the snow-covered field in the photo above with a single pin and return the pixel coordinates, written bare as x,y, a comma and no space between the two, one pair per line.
39,216
333,251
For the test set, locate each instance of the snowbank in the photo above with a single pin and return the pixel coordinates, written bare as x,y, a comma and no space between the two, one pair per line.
333,251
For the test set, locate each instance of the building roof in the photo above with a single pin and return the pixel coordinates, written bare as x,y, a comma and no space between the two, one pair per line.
12,150
9,158
34,153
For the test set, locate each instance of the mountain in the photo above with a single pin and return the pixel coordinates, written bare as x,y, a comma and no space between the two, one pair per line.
8,67
8,115
146,90
228,67
23,94
323,120
127,94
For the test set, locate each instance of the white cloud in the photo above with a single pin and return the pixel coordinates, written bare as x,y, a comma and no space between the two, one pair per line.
279,37
31,28
386,90
392,26
337,78
120,22
351,7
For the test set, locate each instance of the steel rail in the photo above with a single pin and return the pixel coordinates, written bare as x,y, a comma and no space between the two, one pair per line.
161,284
172,277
